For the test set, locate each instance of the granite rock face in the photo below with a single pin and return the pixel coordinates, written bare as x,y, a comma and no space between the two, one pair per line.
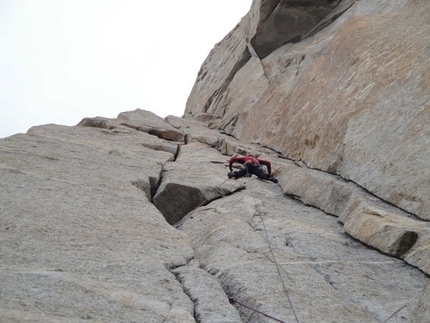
350,98
422,311
192,181
133,219
87,235
78,236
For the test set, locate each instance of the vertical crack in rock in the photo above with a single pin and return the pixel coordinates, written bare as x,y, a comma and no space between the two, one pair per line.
157,183
149,186
266,10
216,96
254,54
178,150
145,186
154,183
184,187
233,290
340,8
187,292
302,58
211,304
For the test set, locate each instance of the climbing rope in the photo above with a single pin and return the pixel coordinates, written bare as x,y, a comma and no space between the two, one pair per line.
218,189
283,283
255,310
402,307
233,300
278,269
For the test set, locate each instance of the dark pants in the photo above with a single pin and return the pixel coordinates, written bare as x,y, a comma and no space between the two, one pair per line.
251,169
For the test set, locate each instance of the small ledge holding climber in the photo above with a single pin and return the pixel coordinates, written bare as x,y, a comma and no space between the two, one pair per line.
252,166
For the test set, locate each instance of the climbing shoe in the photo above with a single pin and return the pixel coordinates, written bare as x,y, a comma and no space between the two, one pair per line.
274,180
230,175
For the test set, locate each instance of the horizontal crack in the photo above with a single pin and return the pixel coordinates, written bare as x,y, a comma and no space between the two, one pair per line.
339,177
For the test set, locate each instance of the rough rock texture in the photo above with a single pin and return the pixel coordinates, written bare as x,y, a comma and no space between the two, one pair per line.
82,238
328,276
352,99
365,217
422,311
79,240
133,219
149,122
193,180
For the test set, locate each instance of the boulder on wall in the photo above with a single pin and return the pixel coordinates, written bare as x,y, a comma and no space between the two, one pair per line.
133,219
149,122
192,181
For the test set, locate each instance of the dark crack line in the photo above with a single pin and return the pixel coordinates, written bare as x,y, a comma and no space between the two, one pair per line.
254,54
232,299
187,292
160,179
246,55
178,150
344,180
298,198
338,176
270,15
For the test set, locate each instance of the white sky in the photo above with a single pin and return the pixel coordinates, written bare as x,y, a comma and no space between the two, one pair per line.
64,60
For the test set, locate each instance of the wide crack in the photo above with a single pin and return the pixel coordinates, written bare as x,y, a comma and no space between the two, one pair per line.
211,304
196,314
242,60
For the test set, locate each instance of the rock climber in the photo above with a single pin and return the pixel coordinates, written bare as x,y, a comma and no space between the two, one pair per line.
252,166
